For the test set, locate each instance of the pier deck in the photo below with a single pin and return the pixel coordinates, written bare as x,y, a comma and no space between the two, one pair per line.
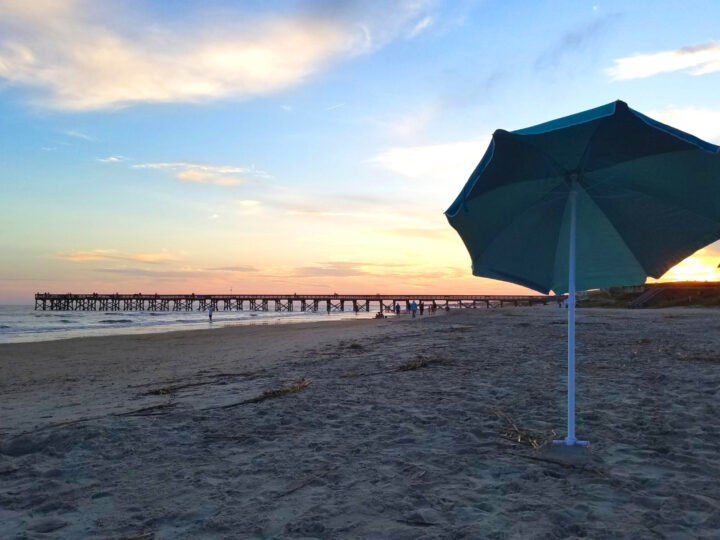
278,302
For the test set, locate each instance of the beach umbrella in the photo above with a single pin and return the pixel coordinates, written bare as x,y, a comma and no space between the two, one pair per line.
605,197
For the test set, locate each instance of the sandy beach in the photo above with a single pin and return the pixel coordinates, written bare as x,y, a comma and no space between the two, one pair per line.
389,429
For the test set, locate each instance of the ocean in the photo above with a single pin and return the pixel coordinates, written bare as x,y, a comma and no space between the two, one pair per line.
23,323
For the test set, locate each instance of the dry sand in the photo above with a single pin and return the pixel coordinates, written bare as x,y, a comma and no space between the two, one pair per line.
367,450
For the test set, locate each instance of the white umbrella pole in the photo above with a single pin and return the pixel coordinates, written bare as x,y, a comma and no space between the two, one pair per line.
571,440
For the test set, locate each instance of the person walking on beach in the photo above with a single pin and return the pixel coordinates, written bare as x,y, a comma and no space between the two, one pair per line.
210,312
397,309
422,308
413,307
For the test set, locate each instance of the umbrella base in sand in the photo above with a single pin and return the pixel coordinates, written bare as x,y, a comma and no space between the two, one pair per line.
570,442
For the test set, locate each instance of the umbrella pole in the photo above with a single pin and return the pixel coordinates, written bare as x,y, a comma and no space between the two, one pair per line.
570,439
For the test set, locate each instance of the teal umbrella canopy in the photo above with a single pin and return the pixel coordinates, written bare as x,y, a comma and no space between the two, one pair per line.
600,198
647,196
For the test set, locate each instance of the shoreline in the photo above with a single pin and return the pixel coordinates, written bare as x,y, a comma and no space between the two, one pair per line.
160,327
192,331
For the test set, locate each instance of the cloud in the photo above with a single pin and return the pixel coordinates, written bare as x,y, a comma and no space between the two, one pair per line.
112,159
423,24
187,272
703,123
452,161
341,269
83,55
425,233
412,124
338,269
249,207
156,274
573,41
249,203
72,132
325,205
113,255
368,270
320,212
241,268
696,60
204,173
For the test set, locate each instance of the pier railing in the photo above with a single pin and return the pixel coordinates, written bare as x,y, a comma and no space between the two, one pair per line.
278,302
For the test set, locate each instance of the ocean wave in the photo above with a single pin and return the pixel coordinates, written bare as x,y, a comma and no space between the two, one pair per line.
115,321
5,326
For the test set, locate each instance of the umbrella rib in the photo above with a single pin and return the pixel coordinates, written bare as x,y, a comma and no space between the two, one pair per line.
545,200
583,158
652,197
620,236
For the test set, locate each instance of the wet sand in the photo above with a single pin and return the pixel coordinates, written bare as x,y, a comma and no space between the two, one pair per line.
159,436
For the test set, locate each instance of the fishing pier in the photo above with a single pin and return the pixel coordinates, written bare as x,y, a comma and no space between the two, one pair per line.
276,302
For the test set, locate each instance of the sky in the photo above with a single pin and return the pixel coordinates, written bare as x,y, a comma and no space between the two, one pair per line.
302,146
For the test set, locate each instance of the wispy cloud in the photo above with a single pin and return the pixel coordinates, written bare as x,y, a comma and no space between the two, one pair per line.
304,204
83,55
112,159
369,270
114,255
334,269
249,207
249,203
240,268
71,132
205,173
180,273
422,25
445,161
425,233
155,274
696,60
572,41
412,124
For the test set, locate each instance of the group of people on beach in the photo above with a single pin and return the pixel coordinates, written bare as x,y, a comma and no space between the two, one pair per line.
413,307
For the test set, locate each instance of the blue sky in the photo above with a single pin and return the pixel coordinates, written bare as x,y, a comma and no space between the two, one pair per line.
312,146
